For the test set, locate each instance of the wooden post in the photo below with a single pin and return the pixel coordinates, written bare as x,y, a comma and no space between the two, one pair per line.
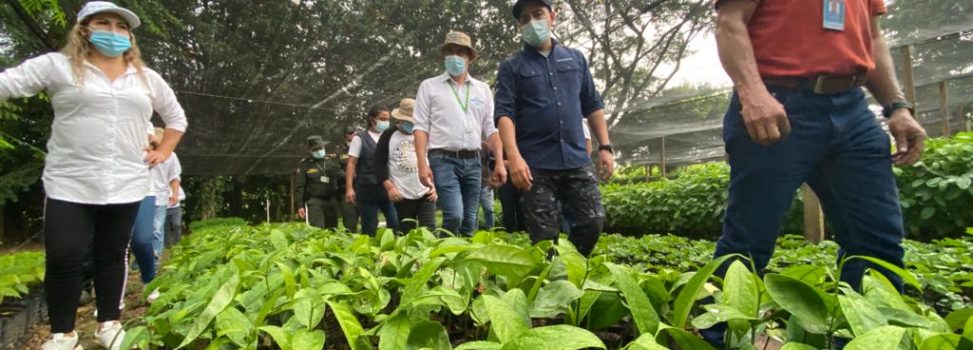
944,106
648,172
813,216
908,79
664,164
267,207
964,124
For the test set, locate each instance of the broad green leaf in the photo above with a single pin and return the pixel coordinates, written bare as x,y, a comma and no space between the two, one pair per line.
479,345
944,342
508,261
907,276
349,326
646,319
234,325
800,300
685,340
645,342
554,299
418,281
136,338
304,339
717,313
576,266
968,329
559,337
428,335
309,308
220,301
508,316
280,336
797,346
394,334
862,316
278,239
687,296
881,338
290,283
882,294
809,274
740,289
958,318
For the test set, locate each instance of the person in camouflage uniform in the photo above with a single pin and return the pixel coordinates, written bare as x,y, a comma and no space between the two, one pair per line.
317,186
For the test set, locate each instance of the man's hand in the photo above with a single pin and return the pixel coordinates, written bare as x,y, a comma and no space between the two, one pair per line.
606,160
520,173
173,199
432,196
765,118
425,176
301,213
350,196
394,194
499,176
909,136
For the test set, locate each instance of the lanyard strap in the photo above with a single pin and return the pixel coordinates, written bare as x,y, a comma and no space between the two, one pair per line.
464,106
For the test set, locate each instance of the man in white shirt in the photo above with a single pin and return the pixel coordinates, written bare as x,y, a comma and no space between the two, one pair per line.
453,113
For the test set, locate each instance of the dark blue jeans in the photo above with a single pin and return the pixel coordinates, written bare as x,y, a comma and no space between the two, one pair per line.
143,239
458,185
371,199
838,147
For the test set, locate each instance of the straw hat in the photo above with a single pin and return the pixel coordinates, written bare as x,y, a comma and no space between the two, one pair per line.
461,39
404,112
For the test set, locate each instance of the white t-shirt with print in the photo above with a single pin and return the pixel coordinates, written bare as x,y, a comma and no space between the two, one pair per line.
403,166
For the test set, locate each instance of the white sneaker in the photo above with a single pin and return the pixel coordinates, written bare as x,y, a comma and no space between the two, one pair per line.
153,296
61,341
111,335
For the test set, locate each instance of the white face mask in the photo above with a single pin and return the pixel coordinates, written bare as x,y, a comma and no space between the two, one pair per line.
536,33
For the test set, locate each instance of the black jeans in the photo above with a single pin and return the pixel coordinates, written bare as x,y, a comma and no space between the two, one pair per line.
411,211
71,230
577,191
173,226
349,215
371,199
322,213
512,215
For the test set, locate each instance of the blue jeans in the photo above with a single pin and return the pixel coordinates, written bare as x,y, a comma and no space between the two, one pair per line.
486,202
159,231
458,185
371,199
143,245
838,147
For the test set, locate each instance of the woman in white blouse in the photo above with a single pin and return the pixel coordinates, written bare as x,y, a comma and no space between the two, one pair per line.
97,168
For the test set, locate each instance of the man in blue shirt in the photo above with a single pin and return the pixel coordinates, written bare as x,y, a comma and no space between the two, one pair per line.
544,93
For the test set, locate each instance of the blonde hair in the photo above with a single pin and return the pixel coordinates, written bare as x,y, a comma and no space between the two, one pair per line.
78,49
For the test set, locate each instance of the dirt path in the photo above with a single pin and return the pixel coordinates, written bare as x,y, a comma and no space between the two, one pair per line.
86,324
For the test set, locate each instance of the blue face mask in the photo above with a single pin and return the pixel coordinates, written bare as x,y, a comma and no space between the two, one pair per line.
455,65
406,127
319,154
381,125
536,33
110,44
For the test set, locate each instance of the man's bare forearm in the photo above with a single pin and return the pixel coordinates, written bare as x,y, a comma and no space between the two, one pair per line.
881,81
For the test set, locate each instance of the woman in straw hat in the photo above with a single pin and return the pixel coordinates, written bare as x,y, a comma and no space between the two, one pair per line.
97,168
398,172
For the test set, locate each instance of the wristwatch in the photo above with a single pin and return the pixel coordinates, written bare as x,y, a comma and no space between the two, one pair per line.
607,147
890,108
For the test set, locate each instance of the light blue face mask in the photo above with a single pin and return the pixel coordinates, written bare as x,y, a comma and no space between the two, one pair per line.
406,127
536,33
381,125
319,154
110,44
455,65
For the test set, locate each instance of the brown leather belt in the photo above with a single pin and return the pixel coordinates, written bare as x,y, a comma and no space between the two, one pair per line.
822,84
464,154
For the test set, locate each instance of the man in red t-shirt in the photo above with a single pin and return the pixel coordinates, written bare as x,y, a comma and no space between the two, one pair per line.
799,115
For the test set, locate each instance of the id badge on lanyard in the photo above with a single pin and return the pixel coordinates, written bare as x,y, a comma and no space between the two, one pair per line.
834,15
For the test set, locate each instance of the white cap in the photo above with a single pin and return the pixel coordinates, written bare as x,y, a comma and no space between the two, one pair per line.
95,7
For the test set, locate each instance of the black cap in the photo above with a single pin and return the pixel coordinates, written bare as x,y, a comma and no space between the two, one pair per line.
315,141
519,6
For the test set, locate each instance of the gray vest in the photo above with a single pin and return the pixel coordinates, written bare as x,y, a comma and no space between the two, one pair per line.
365,170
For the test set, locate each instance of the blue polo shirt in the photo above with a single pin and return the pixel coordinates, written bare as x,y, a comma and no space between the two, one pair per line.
548,98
